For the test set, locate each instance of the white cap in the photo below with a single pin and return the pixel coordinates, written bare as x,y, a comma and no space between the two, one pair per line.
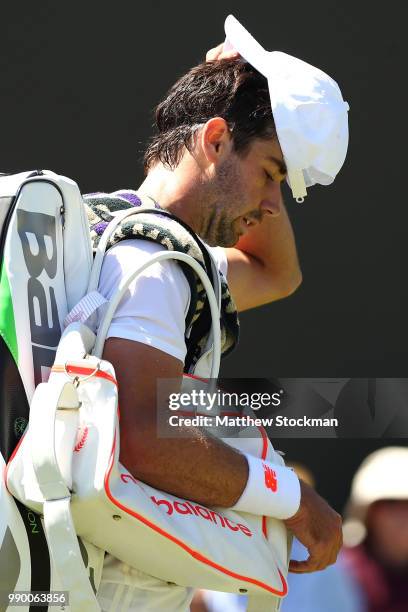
382,475
309,111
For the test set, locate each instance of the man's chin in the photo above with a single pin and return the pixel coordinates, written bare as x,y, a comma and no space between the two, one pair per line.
226,239
234,240
234,243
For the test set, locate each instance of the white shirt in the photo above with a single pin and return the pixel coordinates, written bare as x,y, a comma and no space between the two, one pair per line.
154,308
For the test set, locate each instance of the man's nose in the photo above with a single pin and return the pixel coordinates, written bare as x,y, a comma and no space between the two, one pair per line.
272,205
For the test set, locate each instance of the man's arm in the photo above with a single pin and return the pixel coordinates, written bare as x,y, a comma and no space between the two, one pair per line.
197,467
264,266
200,468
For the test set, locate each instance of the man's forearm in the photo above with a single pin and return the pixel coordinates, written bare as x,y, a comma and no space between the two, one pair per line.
194,465
197,467
204,469
272,243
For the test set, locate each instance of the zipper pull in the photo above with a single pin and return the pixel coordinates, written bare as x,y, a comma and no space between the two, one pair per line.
62,213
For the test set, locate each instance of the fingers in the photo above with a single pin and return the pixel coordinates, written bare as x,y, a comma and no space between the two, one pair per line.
228,54
318,527
213,54
218,53
318,560
300,567
308,566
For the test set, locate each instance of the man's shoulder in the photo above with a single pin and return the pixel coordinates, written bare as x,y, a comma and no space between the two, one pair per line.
219,255
126,250
125,256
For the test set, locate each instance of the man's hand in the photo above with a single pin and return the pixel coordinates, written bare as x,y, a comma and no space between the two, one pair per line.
219,53
318,527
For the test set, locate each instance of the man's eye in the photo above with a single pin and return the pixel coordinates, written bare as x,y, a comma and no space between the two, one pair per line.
268,176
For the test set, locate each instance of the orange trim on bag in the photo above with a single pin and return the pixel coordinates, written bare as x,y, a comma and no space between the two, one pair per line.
196,377
195,554
263,457
85,371
265,442
264,527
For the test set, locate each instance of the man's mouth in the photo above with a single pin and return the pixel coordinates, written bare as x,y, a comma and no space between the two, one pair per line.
246,223
243,226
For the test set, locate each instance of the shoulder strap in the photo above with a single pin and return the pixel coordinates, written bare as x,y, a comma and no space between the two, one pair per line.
176,236
191,278
212,301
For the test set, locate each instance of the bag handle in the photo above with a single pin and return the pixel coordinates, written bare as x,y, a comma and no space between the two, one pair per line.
59,527
212,301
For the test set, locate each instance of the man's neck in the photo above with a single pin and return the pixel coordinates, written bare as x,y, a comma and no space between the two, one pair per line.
174,191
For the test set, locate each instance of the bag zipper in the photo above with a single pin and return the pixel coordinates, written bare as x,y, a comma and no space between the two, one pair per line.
14,201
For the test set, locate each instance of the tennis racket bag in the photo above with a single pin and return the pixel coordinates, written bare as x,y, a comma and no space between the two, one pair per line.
45,263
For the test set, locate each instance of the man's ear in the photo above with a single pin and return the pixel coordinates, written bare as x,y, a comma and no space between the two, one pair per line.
215,140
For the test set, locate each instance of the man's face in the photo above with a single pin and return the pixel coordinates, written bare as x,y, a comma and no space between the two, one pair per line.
241,191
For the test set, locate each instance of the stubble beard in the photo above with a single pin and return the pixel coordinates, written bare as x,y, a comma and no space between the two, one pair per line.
224,196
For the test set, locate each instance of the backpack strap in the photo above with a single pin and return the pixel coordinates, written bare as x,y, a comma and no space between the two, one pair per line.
172,233
110,229
212,301
59,526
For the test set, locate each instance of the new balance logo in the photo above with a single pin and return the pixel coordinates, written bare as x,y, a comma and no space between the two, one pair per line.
271,481
186,507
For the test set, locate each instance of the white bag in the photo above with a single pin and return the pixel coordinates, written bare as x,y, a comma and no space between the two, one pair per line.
45,264
67,468
69,460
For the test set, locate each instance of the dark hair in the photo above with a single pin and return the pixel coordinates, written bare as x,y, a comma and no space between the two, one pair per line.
229,88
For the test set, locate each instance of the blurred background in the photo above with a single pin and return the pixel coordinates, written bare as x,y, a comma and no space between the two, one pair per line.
371,571
78,85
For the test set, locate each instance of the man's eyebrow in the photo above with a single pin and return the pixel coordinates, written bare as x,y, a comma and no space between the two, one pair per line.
280,163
